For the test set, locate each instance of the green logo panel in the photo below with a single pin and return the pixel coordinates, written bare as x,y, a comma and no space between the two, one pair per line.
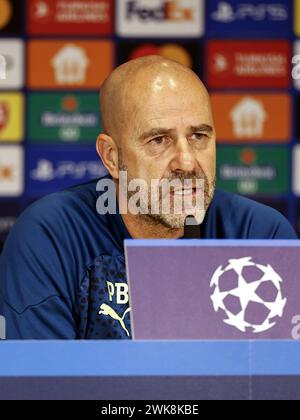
63,118
254,170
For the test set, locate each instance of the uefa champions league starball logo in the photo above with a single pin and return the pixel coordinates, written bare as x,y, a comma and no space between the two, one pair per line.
249,294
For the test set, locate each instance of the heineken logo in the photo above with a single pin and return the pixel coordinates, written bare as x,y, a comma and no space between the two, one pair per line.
253,170
60,118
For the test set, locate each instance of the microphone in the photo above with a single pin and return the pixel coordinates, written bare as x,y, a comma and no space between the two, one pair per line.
191,229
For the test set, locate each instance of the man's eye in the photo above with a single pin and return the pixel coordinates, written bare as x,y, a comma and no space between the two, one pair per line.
157,141
200,136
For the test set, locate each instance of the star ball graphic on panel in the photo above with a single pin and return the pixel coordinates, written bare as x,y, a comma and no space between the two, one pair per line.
11,17
249,294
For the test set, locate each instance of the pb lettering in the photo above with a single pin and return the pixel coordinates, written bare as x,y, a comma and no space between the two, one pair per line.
120,290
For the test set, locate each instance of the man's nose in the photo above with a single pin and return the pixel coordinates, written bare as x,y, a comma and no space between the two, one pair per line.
184,157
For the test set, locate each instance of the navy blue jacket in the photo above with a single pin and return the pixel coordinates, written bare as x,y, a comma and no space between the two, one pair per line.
61,259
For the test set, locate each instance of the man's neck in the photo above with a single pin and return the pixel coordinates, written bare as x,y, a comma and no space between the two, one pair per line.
140,228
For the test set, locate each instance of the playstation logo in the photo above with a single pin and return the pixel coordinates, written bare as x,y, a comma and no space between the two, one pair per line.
224,13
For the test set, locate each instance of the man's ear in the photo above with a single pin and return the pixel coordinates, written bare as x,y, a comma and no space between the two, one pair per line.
108,152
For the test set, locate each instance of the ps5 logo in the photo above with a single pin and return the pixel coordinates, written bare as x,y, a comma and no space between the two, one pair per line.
2,67
2,328
227,13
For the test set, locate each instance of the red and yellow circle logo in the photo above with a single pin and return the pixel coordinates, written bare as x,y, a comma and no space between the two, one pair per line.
172,51
6,13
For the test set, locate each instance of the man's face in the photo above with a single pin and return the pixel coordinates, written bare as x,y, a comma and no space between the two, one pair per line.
170,135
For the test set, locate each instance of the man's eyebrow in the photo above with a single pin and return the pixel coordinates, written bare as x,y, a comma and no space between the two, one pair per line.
202,127
160,131
155,132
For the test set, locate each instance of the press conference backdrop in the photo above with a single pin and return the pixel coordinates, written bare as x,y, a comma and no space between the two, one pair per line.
55,54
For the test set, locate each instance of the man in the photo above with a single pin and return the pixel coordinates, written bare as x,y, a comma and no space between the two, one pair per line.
62,271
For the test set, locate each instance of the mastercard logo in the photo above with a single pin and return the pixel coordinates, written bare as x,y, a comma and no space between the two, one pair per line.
6,12
171,51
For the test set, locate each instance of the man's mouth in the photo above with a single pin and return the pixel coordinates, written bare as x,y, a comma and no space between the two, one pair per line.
186,192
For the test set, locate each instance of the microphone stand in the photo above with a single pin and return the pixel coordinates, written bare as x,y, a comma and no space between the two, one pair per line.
191,229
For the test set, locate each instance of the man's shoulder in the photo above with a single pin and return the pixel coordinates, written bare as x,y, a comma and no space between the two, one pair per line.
237,204
69,211
250,218
79,201
64,201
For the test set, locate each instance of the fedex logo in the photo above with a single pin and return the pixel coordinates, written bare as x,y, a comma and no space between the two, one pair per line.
168,10
167,17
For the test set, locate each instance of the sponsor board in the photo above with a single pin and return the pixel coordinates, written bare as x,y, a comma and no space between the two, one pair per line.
11,117
11,17
188,53
255,18
63,118
11,171
296,65
81,17
148,18
296,170
69,64
50,169
297,109
297,17
252,117
249,64
12,51
254,170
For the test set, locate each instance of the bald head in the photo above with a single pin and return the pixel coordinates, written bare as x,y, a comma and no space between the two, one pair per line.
158,126
132,85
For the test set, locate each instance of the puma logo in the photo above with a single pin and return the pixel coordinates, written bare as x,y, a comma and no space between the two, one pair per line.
108,311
